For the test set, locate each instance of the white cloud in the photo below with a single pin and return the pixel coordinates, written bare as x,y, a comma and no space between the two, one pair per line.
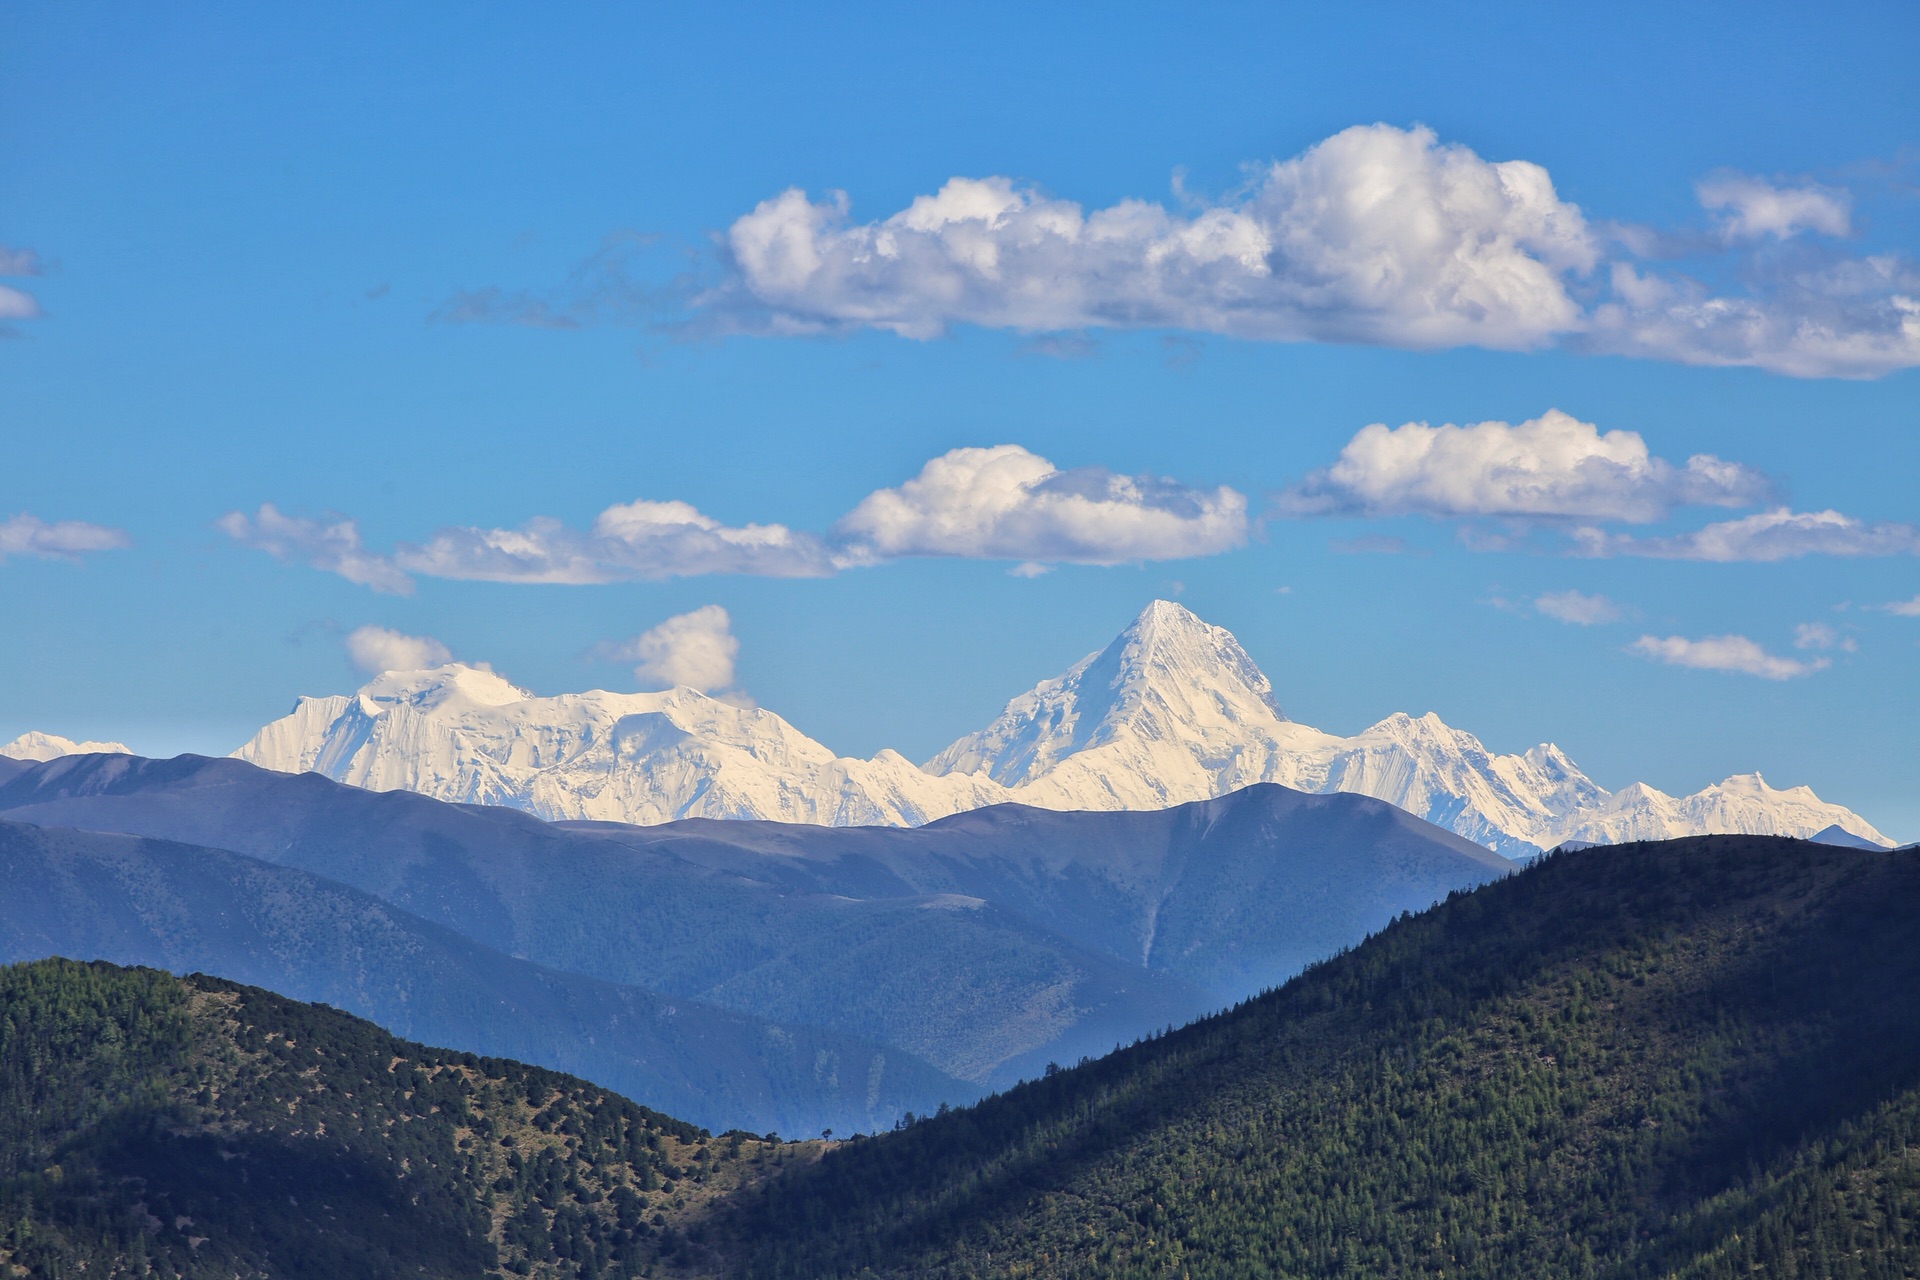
635,540
377,649
999,503
1376,234
26,535
1778,534
695,649
1835,318
1550,466
1580,610
1724,653
18,262
332,545
1751,208
1819,635
1902,608
1008,504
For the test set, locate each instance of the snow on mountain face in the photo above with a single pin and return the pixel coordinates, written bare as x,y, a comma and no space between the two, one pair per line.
464,734
1173,710
51,746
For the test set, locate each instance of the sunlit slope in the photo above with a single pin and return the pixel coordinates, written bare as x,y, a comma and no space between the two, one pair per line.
153,1125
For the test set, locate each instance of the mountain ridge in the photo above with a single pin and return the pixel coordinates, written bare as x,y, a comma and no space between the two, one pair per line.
1173,710
135,900
986,945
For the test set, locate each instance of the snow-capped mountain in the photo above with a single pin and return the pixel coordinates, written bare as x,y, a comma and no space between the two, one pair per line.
51,746
1173,710
462,733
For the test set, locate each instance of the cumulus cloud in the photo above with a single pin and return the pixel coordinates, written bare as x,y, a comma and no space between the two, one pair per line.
997,503
1576,608
18,262
377,649
1751,208
696,650
1550,466
1902,608
1008,504
332,545
27,535
1376,234
1777,534
1724,653
1820,635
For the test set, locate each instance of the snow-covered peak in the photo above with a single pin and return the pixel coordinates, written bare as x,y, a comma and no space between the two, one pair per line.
452,683
1169,679
35,745
1173,710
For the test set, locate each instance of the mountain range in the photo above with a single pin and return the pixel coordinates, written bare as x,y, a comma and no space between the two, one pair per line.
1682,1059
189,908
986,944
1173,711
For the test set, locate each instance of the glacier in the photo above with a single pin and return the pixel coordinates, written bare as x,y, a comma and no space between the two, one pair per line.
1173,710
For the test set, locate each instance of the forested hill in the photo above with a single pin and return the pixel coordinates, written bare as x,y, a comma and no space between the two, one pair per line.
160,1126
1697,1058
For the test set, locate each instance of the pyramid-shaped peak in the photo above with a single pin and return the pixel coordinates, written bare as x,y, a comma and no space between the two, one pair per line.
1170,648
1165,614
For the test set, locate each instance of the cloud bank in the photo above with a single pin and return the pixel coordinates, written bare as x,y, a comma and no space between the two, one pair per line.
1375,235
28,535
993,503
376,649
1550,466
1724,653
331,544
1777,534
639,540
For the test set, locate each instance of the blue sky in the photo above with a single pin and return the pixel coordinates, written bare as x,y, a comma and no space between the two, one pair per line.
455,269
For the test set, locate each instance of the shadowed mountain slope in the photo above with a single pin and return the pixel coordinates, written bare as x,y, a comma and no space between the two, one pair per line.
184,908
1697,1059
986,944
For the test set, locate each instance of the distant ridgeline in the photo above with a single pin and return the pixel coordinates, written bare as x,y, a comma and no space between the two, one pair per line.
1696,1059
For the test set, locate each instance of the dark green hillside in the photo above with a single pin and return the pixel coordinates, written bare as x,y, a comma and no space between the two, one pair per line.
152,1125
1697,1059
